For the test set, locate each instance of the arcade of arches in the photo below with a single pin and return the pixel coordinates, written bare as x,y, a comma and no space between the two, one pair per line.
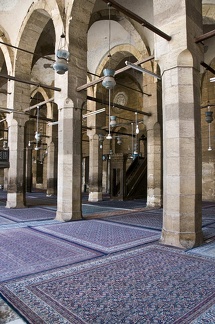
73,155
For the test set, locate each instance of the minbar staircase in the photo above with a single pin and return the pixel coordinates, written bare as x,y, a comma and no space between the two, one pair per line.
135,180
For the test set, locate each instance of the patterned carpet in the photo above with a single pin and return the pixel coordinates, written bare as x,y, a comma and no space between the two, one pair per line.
24,251
145,219
27,214
100,235
153,284
53,272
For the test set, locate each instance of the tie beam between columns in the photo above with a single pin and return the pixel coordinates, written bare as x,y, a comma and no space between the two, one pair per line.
106,103
10,77
137,18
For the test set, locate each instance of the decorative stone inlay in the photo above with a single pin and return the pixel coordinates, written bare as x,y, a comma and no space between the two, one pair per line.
121,99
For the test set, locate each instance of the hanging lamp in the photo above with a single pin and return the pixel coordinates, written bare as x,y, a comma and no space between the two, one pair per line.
112,121
109,81
37,134
109,134
137,127
61,64
119,141
209,119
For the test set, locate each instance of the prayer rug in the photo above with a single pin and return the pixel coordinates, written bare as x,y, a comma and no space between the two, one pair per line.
207,250
24,251
27,214
153,284
145,219
101,235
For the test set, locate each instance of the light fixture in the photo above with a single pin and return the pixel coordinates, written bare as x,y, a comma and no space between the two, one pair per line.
209,119
137,127
112,121
61,64
119,141
140,69
37,134
109,81
109,137
101,139
132,138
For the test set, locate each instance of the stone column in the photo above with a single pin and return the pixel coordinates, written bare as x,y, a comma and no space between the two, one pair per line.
16,172
70,103
95,168
179,60
51,170
5,179
154,145
154,164
69,163
28,169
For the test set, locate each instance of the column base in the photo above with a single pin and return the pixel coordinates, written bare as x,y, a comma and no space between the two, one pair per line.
181,240
15,200
154,201
67,217
95,196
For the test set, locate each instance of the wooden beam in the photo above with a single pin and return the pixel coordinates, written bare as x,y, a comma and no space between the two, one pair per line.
208,67
137,18
10,77
106,103
125,68
205,36
39,104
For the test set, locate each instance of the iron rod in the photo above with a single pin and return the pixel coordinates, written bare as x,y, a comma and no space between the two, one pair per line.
10,77
118,106
26,51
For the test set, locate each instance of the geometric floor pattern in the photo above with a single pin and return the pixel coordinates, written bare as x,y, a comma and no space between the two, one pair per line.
101,235
109,269
149,220
24,251
27,214
152,284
